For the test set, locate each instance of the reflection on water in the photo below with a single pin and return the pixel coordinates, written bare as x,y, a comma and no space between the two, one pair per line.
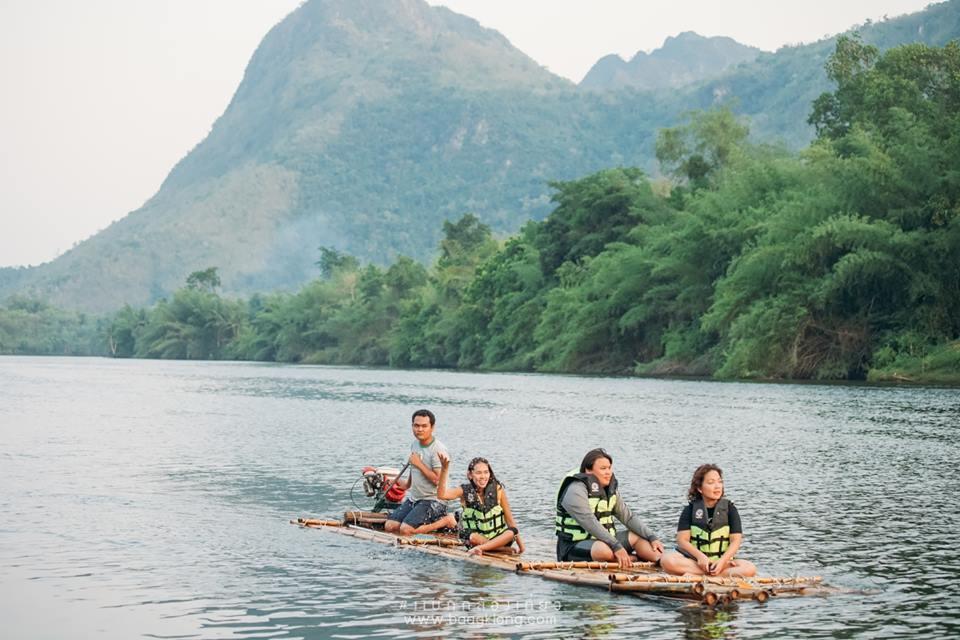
701,623
152,499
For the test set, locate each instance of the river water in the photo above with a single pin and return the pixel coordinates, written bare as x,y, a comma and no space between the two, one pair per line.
152,499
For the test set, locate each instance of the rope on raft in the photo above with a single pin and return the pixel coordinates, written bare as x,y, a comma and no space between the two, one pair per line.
537,566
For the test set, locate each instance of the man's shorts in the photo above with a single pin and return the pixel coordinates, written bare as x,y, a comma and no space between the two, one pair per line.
418,513
581,550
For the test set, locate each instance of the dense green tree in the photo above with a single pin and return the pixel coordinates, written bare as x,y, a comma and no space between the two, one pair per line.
332,261
123,330
205,280
506,300
695,152
29,325
592,212
435,329
868,250
196,324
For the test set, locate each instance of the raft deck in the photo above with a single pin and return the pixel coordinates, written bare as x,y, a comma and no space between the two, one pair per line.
643,579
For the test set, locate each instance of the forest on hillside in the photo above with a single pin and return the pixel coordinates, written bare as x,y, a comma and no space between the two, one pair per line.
838,262
364,125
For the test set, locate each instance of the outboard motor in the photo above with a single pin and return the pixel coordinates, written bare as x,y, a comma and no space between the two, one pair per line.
375,483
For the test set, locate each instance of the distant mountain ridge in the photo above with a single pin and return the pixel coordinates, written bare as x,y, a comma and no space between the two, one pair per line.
682,60
364,124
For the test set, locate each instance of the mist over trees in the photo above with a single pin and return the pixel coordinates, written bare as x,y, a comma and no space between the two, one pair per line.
362,125
840,262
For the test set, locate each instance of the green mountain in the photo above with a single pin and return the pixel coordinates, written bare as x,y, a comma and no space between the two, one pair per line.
775,92
682,60
364,124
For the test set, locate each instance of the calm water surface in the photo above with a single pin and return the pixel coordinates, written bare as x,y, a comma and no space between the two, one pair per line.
152,499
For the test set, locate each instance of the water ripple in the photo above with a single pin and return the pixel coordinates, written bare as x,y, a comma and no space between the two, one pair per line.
152,499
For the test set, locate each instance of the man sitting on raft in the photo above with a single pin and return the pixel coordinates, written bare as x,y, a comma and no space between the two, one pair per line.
587,503
421,511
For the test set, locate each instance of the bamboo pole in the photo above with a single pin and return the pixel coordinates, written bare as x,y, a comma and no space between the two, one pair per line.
376,525
457,553
367,515
774,580
650,577
369,518
744,583
759,594
725,593
362,534
575,578
603,566
489,560
310,522
428,542
653,587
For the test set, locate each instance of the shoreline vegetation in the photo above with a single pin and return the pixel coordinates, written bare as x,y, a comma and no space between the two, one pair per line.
745,261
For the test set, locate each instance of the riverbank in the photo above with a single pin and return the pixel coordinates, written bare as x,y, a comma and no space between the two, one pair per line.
941,365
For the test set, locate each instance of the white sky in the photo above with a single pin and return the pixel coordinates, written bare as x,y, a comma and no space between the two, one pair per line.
100,98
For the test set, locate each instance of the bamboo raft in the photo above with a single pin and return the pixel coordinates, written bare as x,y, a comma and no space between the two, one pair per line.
642,579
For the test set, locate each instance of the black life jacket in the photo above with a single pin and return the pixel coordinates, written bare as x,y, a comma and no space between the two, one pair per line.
710,535
602,501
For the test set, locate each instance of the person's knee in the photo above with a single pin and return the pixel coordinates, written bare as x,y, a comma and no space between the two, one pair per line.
672,562
390,526
406,530
644,551
601,552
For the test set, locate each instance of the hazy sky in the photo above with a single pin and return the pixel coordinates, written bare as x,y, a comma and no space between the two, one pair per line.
100,98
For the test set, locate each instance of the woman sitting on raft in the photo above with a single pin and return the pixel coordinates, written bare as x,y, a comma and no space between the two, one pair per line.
487,522
587,504
709,532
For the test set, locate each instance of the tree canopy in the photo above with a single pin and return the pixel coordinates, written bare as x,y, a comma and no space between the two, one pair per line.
841,262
